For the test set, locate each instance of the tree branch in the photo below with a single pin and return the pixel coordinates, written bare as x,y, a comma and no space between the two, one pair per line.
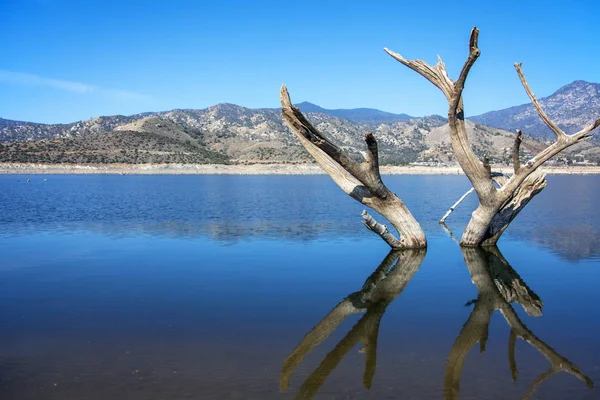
464,196
436,75
474,54
361,181
300,125
515,152
563,140
487,166
372,177
380,229
559,132
478,173
584,133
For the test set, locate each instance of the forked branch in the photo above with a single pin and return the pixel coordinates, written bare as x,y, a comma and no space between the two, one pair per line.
438,75
575,137
562,142
300,125
582,134
360,180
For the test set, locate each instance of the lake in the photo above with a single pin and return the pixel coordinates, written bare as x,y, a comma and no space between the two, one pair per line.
269,287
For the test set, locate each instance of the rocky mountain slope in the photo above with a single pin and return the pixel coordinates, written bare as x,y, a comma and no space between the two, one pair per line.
237,133
229,133
147,140
571,107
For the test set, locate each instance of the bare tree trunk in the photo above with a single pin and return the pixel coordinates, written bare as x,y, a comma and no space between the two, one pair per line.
497,286
497,206
360,180
487,223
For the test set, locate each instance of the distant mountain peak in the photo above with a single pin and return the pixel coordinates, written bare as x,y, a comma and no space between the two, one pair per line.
307,106
578,86
571,107
579,82
358,115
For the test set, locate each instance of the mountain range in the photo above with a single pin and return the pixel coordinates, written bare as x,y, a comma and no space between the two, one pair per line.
227,133
571,107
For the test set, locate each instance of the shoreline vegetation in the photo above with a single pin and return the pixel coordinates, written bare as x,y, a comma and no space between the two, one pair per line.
250,169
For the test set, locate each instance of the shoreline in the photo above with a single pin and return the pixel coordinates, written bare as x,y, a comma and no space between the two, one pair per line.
253,169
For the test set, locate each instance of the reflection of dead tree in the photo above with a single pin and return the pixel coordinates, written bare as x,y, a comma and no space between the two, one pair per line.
360,180
498,206
498,285
378,291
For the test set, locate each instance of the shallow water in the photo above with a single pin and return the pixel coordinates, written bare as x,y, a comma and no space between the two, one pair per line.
201,287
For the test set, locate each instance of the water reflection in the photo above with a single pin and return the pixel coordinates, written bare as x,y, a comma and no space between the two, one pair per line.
499,285
573,243
234,209
381,288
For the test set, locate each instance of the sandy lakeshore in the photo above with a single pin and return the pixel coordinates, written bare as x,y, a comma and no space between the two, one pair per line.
254,169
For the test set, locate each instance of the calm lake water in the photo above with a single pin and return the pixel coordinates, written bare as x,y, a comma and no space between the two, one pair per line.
268,287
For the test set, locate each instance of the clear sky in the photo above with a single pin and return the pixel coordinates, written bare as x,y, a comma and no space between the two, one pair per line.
67,60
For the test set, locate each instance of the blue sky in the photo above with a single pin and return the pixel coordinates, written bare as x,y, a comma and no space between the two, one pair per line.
64,60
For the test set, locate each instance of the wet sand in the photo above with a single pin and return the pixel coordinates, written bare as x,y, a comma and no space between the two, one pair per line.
254,169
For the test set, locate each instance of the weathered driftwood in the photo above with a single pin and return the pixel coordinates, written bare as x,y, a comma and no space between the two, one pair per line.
382,287
497,206
360,180
497,286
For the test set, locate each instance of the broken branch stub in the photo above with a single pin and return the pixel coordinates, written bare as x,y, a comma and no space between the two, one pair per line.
360,180
516,148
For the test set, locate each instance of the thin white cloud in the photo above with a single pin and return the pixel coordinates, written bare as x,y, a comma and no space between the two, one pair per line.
21,78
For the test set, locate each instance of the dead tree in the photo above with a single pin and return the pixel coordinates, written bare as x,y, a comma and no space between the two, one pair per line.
498,206
497,286
360,180
382,287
